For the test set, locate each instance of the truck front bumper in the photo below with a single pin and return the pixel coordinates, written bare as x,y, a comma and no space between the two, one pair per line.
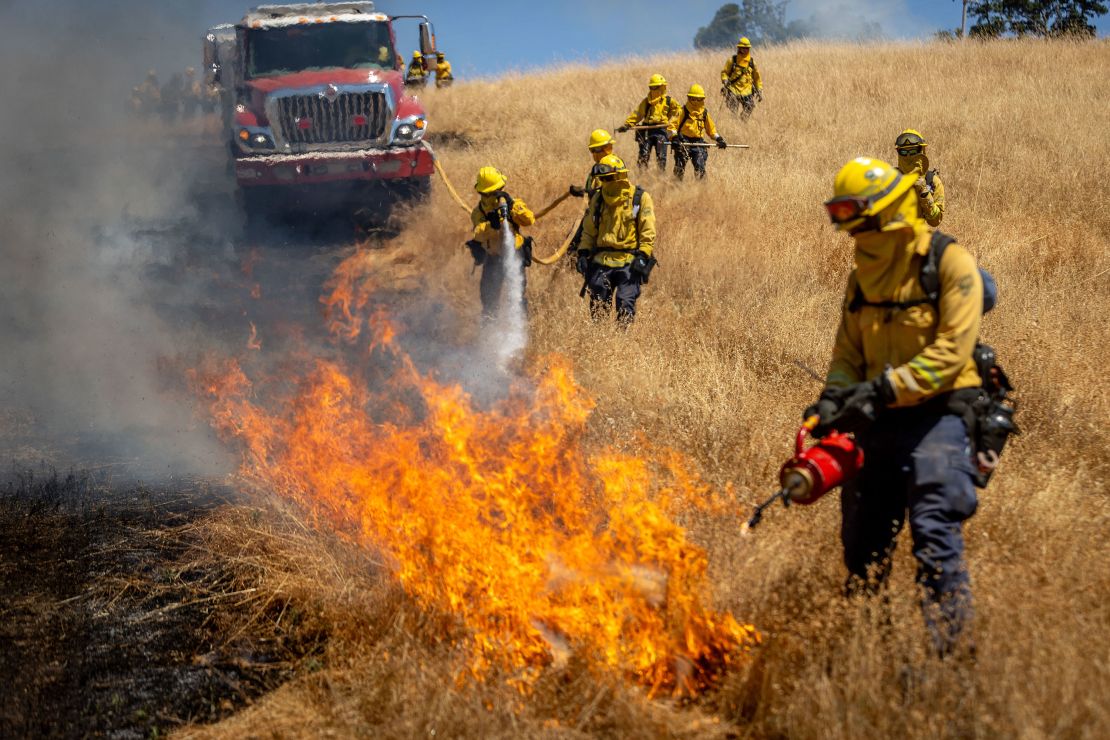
325,167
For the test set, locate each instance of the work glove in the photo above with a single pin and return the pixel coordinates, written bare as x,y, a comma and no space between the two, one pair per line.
922,187
641,267
583,263
721,143
857,406
526,253
577,191
622,128
477,251
494,219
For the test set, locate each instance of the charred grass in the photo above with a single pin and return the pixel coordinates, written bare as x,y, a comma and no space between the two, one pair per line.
750,282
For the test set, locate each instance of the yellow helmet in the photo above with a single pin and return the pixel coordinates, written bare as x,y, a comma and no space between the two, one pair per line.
609,168
863,188
697,92
743,43
910,139
490,180
417,55
600,138
657,80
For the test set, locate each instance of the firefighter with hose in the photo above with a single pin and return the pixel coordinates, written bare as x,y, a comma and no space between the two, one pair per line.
497,210
651,120
417,73
615,256
693,123
913,162
740,81
898,360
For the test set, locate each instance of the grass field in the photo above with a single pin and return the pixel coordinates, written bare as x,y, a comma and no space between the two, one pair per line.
750,281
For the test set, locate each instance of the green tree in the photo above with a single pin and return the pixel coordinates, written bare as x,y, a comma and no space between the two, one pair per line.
1041,18
762,21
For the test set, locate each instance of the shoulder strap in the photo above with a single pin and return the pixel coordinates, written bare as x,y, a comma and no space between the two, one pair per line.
597,210
929,177
682,121
637,197
929,278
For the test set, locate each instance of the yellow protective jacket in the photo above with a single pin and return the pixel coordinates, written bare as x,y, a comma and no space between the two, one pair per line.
918,166
694,124
443,72
741,76
416,71
609,230
930,352
650,112
489,237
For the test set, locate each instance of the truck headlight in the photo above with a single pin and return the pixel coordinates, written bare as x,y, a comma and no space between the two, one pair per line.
255,139
409,130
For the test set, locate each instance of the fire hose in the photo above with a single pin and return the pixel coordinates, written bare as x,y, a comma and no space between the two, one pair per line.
548,260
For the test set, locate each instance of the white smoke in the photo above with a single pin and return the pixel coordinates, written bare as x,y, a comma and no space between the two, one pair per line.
512,324
855,19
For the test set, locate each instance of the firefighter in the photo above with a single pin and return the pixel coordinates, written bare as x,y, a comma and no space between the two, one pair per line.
897,360
444,78
192,96
417,74
147,97
740,81
485,245
655,114
618,240
600,146
692,125
913,161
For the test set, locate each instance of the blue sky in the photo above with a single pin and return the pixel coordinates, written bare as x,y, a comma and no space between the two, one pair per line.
494,36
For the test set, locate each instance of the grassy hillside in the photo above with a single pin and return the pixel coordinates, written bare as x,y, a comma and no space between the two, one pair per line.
750,281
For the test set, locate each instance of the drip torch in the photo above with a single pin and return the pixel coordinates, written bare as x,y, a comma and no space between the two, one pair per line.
814,471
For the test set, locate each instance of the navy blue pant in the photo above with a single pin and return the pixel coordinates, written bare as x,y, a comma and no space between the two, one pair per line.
605,282
698,155
656,139
916,461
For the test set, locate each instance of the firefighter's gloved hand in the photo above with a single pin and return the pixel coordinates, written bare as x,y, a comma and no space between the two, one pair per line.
494,219
641,267
859,406
477,251
577,191
582,264
721,143
622,128
922,187
526,253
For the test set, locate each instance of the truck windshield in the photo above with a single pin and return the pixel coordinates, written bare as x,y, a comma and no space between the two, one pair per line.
275,51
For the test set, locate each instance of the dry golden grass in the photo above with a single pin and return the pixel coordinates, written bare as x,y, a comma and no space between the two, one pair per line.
750,280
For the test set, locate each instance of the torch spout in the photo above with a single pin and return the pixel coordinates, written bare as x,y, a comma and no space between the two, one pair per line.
757,515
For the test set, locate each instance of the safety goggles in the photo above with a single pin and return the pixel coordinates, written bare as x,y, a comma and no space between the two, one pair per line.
846,208
909,151
604,171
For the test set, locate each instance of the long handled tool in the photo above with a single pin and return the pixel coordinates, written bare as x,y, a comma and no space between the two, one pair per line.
814,471
703,144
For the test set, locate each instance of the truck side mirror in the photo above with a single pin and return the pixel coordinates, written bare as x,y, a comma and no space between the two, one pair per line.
427,40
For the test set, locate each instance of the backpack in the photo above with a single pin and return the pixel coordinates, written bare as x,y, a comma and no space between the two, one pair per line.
988,411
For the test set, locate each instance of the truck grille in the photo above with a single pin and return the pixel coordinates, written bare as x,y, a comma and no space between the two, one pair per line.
352,117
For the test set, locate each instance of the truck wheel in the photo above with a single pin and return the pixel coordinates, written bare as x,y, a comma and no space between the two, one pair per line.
255,205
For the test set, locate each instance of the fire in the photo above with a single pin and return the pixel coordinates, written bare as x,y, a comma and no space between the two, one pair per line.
533,545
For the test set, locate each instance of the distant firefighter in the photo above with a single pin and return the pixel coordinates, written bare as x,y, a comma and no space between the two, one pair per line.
417,74
444,78
172,94
146,98
193,94
693,123
912,160
651,119
740,80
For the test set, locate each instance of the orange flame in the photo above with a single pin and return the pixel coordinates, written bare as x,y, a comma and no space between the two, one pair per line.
532,545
